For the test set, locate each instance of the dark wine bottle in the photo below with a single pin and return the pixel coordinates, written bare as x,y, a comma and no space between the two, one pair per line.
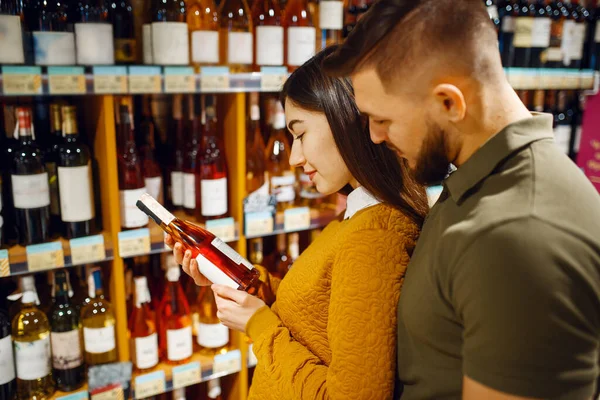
8,383
540,35
506,35
54,140
523,38
592,51
574,34
11,40
53,38
121,16
93,33
552,57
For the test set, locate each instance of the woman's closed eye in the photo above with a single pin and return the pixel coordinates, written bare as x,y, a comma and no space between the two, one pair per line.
299,137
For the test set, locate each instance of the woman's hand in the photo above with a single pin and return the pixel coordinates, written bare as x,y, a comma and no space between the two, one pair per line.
190,266
236,307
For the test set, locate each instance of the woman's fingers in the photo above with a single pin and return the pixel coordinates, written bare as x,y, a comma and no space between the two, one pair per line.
178,253
195,273
169,241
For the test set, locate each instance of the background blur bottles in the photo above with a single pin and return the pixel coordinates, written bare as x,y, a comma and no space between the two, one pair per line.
492,9
31,340
75,180
170,41
256,251
523,38
177,155
212,184
142,328
553,55
29,180
93,33
54,140
150,7
11,41
508,12
153,180
98,322
235,37
540,34
121,17
268,33
191,154
174,318
214,389
331,22
8,145
563,122
53,37
68,368
203,23
212,335
574,34
255,150
354,12
281,177
301,34
8,382
592,59
309,196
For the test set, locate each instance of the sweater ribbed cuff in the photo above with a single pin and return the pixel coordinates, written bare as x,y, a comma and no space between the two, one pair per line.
262,320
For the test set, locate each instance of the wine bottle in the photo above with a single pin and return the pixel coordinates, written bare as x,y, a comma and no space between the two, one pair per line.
507,32
11,40
268,33
594,41
98,322
142,328
53,38
293,247
179,394
550,102
8,145
75,180
121,17
65,337
212,335
191,155
29,180
331,22
131,180
8,383
55,139
152,172
301,35
212,169
93,33
203,23
255,150
540,33
214,389
31,340
235,35
281,176
170,41
175,183
492,9
149,10
175,321
256,251
563,121
282,260
523,38
552,57
539,100
574,34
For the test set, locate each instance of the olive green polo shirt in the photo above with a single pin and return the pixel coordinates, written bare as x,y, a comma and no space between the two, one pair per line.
504,284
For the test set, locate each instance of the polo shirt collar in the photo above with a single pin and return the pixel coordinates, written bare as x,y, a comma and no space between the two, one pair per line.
359,199
499,147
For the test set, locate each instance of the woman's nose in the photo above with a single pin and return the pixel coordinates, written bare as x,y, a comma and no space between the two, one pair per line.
297,156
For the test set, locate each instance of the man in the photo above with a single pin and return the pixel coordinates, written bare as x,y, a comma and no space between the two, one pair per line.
502,296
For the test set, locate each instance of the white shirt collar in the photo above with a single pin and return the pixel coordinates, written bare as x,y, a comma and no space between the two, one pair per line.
359,199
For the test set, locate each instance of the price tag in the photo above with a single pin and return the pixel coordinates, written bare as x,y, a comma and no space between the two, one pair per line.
227,363
252,360
546,79
66,80
186,375
113,392
572,80
556,78
296,219
133,243
223,228
214,79
272,78
562,78
144,80
149,384
259,223
4,264
180,80
45,256
87,250
110,80
22,80
75,396
531,78
586,80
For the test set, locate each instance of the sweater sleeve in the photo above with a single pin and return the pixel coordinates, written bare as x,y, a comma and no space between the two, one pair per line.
365,286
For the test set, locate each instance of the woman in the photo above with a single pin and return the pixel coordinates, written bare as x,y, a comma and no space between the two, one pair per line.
331,331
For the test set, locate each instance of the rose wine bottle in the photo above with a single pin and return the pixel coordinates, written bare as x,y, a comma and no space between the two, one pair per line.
211,335
268,33
142,328
203,23
192,152
177,157
235,35
331,22
153,179
255,150
301,35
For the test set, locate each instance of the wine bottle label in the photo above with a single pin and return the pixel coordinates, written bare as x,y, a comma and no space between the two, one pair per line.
147,43
212,336
53,186
179,343
7,361
66,349
523,32
214,197
214,273
54,48
159,211
597,35
11,40
125,50
154,187
331,15
283,188
573,40
231,253
75,188
177,188
301,44
269,45
146,351
508,24
131,216
562,137
205,47
99,340
33,359
189,191
554,54
239,48
94,43
540,34
170,43
30,191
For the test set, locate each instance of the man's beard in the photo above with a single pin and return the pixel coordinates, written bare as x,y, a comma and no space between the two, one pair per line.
432,164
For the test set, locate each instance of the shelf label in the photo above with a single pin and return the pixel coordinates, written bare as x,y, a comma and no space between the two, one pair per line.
572,80
214,78
223,228
22,80
586,80
547,79
296,219
87,250
259,223
144,80
66,80
75,396
227,363
4,264
272,78
149,385
110,80
180,80
45,256
561,79
252,360
134,242
112,392
186,375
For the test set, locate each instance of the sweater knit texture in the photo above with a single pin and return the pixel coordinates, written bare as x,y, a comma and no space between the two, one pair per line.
331,332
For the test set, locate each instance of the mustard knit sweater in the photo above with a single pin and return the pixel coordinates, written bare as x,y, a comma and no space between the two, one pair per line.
331,332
